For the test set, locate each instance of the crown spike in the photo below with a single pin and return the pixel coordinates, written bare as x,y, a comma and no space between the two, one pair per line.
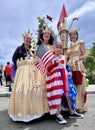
27,34
47,30
73,30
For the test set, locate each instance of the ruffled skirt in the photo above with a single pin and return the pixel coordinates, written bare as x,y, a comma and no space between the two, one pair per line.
28,100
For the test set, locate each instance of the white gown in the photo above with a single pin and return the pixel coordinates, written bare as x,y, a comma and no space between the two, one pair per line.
28,100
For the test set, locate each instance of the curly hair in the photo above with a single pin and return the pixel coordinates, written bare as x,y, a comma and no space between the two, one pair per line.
40,37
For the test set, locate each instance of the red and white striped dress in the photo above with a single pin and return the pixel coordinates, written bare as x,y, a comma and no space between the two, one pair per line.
55,86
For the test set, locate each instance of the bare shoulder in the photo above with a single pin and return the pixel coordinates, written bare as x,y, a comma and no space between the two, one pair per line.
82,47
82,42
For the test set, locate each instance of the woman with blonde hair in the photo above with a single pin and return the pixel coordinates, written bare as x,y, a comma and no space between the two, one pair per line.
76,54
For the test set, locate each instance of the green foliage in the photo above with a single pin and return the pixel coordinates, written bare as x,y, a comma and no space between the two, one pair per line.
91,79
41,22
93,50
90,65
87,82
33,44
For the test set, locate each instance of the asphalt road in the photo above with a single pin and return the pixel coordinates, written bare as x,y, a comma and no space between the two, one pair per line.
48,123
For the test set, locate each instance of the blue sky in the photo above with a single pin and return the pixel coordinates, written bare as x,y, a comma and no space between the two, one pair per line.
17,16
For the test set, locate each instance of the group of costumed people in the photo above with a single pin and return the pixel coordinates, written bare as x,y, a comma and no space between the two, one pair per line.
43,82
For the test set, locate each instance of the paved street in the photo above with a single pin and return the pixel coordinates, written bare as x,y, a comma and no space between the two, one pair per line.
46,123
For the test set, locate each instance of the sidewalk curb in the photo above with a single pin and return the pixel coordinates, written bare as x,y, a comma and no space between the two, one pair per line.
5,94
8,94
90,92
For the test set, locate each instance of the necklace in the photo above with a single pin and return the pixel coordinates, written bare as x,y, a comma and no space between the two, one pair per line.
28,55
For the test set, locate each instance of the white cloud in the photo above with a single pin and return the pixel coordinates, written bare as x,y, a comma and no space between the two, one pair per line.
17,16
88,7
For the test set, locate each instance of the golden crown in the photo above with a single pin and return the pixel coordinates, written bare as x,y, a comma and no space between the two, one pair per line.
27,34
47,30
73,30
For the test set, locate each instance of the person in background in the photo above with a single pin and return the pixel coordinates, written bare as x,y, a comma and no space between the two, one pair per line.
8,75
5,75
76,54
1,77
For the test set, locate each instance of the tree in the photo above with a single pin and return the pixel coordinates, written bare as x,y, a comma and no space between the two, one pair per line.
90,64
93,50
41,25
41,22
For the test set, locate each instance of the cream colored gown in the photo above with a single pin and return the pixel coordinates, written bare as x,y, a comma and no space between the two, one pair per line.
28,99
73,53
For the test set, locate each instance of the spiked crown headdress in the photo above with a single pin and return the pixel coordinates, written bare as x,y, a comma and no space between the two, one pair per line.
27,34
47,30
73,30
